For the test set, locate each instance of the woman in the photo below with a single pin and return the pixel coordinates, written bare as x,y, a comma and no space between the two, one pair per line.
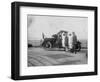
70,41
63,39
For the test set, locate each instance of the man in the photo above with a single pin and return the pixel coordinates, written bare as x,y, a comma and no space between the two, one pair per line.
74,41
74,38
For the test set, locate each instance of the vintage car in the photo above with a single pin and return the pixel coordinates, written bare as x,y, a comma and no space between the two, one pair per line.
55,42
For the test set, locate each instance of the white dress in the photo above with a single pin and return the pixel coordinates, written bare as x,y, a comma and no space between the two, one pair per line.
70,42
63,40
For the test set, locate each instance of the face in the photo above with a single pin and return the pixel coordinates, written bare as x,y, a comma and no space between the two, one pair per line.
70,34
63,34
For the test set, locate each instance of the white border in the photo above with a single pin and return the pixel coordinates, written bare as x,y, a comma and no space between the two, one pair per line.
24,70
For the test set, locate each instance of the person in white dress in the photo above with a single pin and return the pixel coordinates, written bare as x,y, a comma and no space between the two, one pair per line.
70,40
63,39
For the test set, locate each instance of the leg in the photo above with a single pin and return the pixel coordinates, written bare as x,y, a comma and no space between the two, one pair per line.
75,48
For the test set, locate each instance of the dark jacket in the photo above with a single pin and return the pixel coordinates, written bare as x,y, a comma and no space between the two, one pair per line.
66,41
74,39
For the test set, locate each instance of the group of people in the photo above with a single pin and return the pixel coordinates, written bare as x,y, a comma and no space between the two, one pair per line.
64,39
68,40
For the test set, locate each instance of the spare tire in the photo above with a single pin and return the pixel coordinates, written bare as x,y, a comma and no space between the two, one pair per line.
48,45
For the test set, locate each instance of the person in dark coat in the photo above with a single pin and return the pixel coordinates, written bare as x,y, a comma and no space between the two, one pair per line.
74,38
66,40
74,41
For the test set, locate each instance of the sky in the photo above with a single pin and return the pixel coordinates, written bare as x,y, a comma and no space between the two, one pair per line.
49,25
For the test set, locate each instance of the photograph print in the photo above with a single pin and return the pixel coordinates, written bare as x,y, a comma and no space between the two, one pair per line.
53,40
57,40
